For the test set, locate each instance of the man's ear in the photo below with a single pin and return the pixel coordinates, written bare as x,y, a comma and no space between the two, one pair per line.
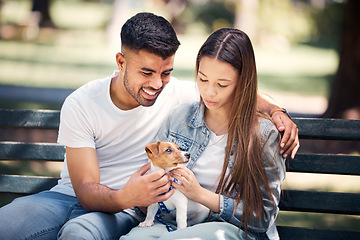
120,60
153,148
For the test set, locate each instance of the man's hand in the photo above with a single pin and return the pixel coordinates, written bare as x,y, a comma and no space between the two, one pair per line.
145,189
142,189
290,140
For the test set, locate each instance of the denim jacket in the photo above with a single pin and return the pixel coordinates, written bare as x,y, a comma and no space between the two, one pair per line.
186,127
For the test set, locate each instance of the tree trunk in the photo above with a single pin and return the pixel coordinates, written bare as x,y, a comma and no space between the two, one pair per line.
345,92
43,7
246,16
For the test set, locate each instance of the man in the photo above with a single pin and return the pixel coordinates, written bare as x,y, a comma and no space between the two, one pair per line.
105,125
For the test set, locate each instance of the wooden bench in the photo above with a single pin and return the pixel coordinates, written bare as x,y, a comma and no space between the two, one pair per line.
292,200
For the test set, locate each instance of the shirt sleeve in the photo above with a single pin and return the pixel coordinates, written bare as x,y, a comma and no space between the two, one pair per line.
75,126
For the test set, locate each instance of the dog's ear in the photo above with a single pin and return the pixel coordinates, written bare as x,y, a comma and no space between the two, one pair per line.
153,148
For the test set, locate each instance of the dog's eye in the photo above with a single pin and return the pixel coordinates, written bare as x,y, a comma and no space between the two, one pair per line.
168,150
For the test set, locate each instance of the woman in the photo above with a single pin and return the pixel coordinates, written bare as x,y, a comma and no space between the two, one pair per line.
235,168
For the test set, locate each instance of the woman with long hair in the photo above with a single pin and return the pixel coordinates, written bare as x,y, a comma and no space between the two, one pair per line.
235,168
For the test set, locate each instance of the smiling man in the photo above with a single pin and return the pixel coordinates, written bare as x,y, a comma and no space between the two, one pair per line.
105,126
149,75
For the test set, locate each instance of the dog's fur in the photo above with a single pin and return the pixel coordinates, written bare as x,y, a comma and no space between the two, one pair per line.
168,156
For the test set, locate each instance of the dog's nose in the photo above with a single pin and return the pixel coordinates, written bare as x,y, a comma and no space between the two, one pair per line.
187,155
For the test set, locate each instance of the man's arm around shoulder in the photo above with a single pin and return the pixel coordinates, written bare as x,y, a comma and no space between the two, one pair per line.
289,144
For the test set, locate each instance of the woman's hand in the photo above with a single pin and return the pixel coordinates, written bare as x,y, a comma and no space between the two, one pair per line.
187,184
190,187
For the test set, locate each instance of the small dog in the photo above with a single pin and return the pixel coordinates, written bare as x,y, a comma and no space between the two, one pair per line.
168,156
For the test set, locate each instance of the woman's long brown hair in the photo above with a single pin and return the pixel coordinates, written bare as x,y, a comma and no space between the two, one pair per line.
247,175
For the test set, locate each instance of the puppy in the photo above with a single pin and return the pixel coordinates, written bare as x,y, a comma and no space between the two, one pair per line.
168,156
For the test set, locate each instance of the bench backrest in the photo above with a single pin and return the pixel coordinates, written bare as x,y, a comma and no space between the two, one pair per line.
24,151
292,200
323,202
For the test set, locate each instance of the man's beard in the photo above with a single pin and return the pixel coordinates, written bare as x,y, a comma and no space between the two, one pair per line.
137,96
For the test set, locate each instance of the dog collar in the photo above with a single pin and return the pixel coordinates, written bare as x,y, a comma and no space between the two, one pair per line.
171,187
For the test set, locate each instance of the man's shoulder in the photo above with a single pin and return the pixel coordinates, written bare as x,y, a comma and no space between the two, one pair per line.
187,107
183,84
184,90
184,111
94,86
86,94
90,89
177,92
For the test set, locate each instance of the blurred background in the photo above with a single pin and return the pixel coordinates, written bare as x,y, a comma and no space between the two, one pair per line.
307,54
64,44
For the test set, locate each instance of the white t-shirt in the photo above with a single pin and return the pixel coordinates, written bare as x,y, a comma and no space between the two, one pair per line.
90,119
210,164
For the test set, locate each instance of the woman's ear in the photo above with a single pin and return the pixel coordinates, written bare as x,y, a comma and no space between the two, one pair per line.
120,60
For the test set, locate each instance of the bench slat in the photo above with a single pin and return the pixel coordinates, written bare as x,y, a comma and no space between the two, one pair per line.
296,233
24,185
333,129
320,202
291,200
47,119
31,151
342,129
325,163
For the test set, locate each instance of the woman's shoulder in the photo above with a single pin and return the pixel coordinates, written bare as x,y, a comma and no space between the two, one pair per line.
267,127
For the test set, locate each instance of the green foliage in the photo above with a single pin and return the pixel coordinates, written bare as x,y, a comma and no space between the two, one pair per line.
327,25
78,51
282,17
215,14
68,14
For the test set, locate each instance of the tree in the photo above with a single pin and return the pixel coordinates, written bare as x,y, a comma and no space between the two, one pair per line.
42,7
344,99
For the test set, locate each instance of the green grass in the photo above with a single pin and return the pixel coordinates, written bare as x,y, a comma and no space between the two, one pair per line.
79,51
66,63
61,63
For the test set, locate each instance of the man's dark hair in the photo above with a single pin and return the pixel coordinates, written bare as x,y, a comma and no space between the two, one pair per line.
146,31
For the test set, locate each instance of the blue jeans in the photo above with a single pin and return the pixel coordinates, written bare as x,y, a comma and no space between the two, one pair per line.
52,215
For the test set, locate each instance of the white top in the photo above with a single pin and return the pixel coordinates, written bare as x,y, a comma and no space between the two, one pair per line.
90,119
208,168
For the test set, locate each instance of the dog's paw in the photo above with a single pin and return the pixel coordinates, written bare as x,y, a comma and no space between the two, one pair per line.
146,224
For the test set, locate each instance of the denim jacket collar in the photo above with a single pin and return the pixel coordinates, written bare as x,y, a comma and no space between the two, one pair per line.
198,117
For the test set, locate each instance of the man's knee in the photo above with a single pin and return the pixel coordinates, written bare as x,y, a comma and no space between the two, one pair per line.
97,225
78,228
24,218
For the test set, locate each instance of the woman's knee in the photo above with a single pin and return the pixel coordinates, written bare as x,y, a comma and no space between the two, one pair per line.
148,233
208,231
